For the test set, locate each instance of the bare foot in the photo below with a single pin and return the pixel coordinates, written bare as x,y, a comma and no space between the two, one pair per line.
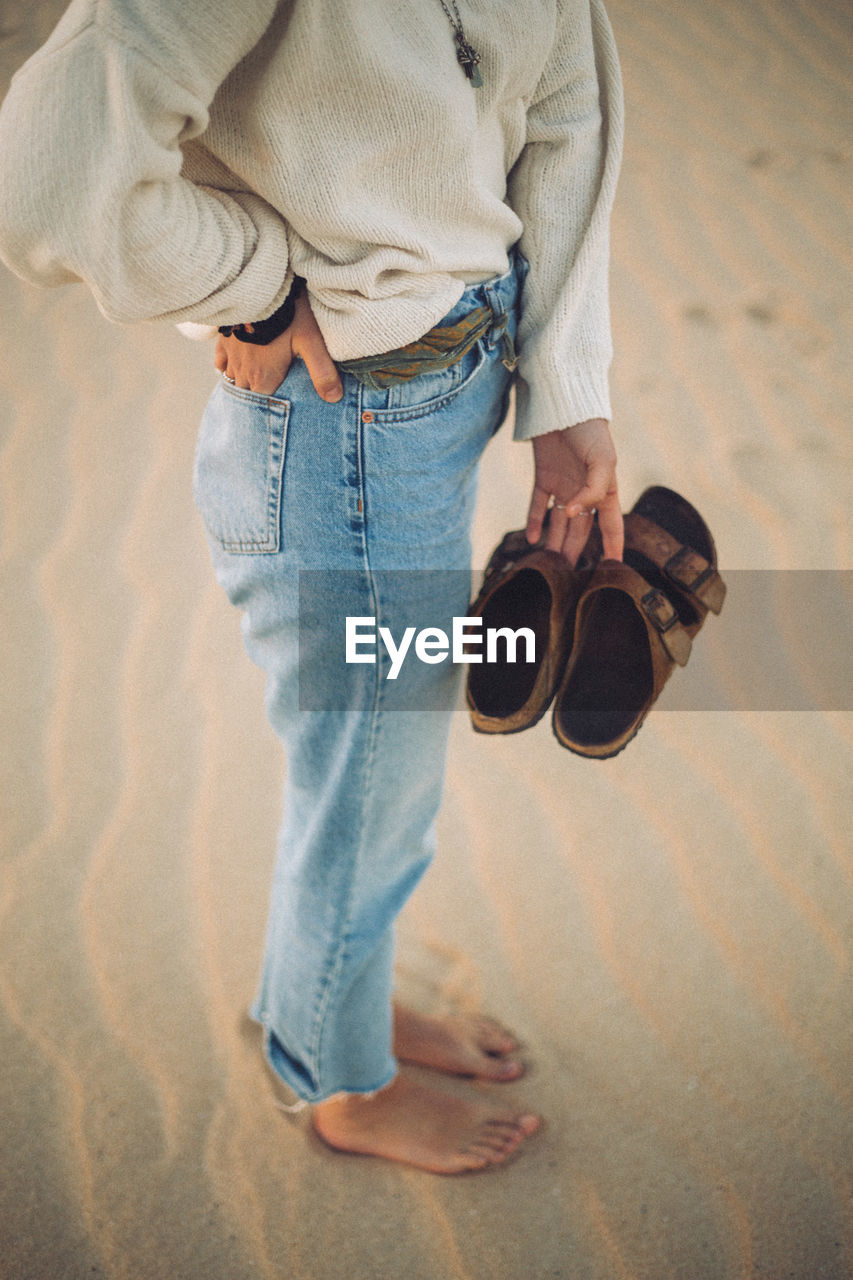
416,1125
463,1046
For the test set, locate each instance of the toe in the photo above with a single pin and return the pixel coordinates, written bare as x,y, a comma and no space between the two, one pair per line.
489,1068
494,1038
489,1146
487,1153
476,1157
496,1045
505,1136
493,1147
508,1069
515,1127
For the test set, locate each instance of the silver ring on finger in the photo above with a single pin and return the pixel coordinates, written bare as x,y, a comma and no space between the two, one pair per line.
230,381
590,512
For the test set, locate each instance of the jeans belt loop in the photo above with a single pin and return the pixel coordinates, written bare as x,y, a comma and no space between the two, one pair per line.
499,316
500,331
509,359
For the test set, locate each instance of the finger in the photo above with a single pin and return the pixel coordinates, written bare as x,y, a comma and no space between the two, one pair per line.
600,481
536,514
556,534
322,371
231,362
308,342
577,534
268,378
584,501
612,527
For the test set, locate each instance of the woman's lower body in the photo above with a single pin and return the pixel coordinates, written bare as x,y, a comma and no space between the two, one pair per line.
317,512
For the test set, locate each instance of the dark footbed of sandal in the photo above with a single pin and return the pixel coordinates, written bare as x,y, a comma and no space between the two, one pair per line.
612,678
678,517
501,688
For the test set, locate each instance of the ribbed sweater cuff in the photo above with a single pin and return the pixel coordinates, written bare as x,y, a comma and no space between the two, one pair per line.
547,405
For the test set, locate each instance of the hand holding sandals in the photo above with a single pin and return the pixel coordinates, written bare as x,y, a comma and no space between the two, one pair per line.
577,466
608,633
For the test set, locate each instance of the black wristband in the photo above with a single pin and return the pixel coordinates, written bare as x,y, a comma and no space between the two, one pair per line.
264,331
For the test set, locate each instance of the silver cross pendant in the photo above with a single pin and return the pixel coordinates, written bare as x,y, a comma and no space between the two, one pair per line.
468,59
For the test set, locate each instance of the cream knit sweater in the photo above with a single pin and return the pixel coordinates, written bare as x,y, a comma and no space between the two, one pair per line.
186,157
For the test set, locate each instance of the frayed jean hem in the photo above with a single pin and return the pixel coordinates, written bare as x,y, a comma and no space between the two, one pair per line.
295,1078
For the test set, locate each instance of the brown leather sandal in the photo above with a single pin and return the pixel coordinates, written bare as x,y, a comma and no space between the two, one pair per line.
667,532
635,623
523,586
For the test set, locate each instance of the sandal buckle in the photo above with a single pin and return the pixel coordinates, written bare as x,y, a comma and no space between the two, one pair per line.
659,610
662,615
692,573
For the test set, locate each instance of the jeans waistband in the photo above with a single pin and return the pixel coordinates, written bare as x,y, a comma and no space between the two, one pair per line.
482,309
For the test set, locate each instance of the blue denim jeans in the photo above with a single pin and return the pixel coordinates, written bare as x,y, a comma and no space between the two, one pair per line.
383,480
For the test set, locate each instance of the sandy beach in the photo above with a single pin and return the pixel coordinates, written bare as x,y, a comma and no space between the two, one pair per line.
670,932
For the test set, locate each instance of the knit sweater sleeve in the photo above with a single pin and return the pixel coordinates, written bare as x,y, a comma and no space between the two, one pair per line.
562,189
90,165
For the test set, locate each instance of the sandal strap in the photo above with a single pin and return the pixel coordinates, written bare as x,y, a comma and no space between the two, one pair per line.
662,615
655,606
693,574
685,567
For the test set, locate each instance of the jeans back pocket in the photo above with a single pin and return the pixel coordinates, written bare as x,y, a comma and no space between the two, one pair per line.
239,463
